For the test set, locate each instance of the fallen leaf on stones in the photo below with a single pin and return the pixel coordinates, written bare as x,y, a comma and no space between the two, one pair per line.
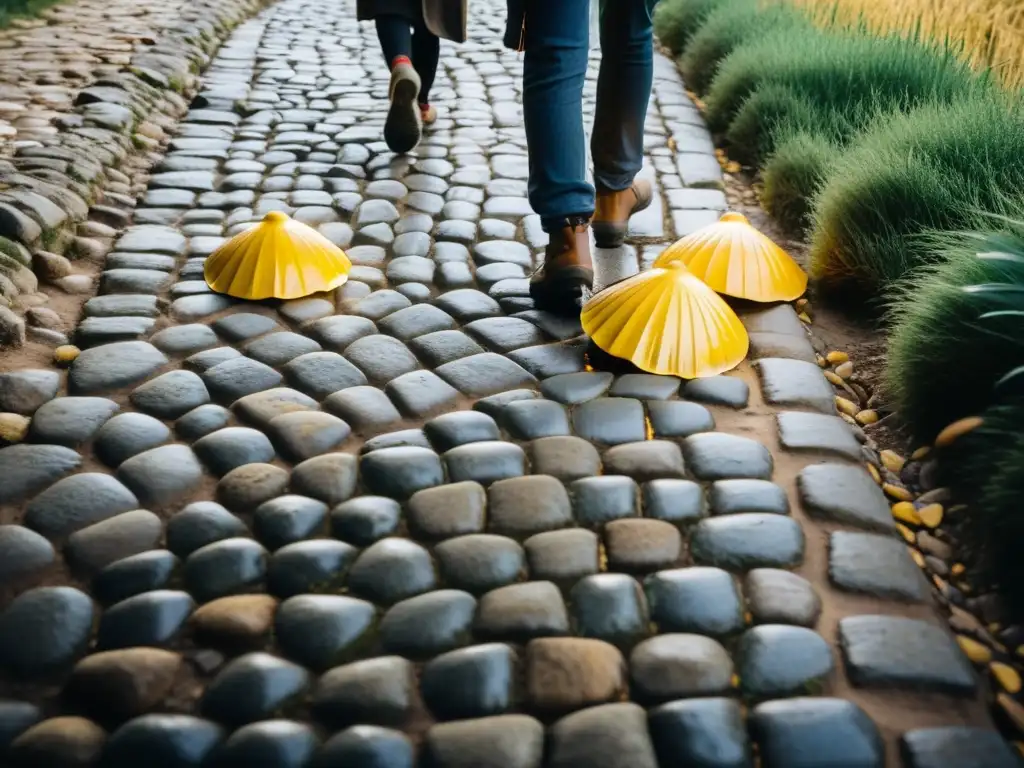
848,407
892,460
905,512
973,650
906,533
957,429
897,492
917,557
867,417
931,515
1008,677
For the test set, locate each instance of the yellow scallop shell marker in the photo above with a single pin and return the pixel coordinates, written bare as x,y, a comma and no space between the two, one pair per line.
279,258
735,259
667,321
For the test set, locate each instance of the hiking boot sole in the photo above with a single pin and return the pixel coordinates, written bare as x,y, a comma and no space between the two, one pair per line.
402,128
563,292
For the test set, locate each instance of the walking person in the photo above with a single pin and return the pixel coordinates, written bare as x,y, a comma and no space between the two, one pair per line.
555,39
409,33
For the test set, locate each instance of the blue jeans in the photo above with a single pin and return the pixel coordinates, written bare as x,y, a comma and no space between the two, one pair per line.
554,69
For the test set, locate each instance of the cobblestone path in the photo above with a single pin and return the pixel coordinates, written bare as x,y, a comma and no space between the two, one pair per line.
44,62
409,523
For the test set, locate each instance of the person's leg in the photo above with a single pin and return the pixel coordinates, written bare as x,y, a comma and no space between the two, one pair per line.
402,125
395,37
554,70
623,92
426,50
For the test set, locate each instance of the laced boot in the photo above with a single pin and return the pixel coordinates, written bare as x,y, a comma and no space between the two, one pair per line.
565,280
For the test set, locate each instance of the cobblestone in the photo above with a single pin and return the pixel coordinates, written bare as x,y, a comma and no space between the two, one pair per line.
409,516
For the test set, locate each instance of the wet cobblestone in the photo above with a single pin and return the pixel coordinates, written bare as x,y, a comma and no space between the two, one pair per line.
408,523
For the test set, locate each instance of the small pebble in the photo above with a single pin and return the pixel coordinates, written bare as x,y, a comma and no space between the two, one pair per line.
65,354
13,427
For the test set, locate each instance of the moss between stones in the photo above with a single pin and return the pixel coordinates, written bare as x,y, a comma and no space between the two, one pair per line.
15,251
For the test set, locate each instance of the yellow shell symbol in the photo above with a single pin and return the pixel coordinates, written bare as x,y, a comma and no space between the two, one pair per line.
735,259
279,258
667,321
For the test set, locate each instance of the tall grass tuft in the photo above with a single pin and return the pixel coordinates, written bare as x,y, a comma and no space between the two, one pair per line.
793,174
752,131
849,72
675,21
946,351
988,33
775,110
933,168
729,25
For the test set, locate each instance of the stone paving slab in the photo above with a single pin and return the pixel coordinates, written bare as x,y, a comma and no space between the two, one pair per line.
407,523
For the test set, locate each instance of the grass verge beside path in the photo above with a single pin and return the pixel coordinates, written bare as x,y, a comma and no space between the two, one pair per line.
935,168
675,22
15,9
729,25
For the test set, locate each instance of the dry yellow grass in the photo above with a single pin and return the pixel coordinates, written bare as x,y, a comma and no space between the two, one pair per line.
990,31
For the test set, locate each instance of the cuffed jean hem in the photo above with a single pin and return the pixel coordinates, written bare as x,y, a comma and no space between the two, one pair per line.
554,223
614,183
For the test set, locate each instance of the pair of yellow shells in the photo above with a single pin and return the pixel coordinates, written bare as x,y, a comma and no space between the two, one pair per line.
670,320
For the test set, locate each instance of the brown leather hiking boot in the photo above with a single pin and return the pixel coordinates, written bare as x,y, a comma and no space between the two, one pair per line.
613,209
567,277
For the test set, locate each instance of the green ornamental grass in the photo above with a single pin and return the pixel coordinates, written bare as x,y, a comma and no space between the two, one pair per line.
792,175
729,25
933,168
775,110
850,72
958,329
675,21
